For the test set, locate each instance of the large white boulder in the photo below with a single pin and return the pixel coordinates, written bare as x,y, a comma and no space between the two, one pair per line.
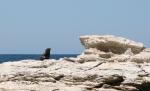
111,43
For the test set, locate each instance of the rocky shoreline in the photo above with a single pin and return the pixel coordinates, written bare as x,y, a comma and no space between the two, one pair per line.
108,63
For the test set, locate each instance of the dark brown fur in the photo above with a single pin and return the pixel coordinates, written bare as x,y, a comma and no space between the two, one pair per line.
46,54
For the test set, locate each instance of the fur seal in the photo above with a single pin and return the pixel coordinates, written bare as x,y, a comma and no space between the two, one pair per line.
46,54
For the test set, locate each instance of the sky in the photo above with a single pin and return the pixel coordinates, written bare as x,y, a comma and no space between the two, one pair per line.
30,26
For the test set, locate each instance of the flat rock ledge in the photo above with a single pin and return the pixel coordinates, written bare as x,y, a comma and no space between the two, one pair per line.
108,63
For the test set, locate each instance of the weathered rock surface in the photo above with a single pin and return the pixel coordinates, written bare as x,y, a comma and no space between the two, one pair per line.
111,43
94,70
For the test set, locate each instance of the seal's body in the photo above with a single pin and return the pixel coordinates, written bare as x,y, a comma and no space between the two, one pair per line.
46,54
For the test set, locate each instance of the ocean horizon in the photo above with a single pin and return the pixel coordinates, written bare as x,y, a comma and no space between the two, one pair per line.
19,57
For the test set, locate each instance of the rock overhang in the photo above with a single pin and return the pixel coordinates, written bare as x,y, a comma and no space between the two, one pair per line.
111,43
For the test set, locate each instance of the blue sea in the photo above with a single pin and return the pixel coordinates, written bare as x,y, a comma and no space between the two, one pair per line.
18,57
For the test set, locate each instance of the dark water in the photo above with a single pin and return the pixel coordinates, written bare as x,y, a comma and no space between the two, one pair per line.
18,57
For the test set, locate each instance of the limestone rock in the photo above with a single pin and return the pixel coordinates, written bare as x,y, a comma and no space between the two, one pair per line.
66,75
146,50
141,57
120,58
98,52
110,43
108,64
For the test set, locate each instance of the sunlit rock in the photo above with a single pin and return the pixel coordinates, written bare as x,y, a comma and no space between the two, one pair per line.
110,43
108,63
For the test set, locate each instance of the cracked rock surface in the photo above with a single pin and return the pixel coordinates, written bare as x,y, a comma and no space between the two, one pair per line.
126,69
